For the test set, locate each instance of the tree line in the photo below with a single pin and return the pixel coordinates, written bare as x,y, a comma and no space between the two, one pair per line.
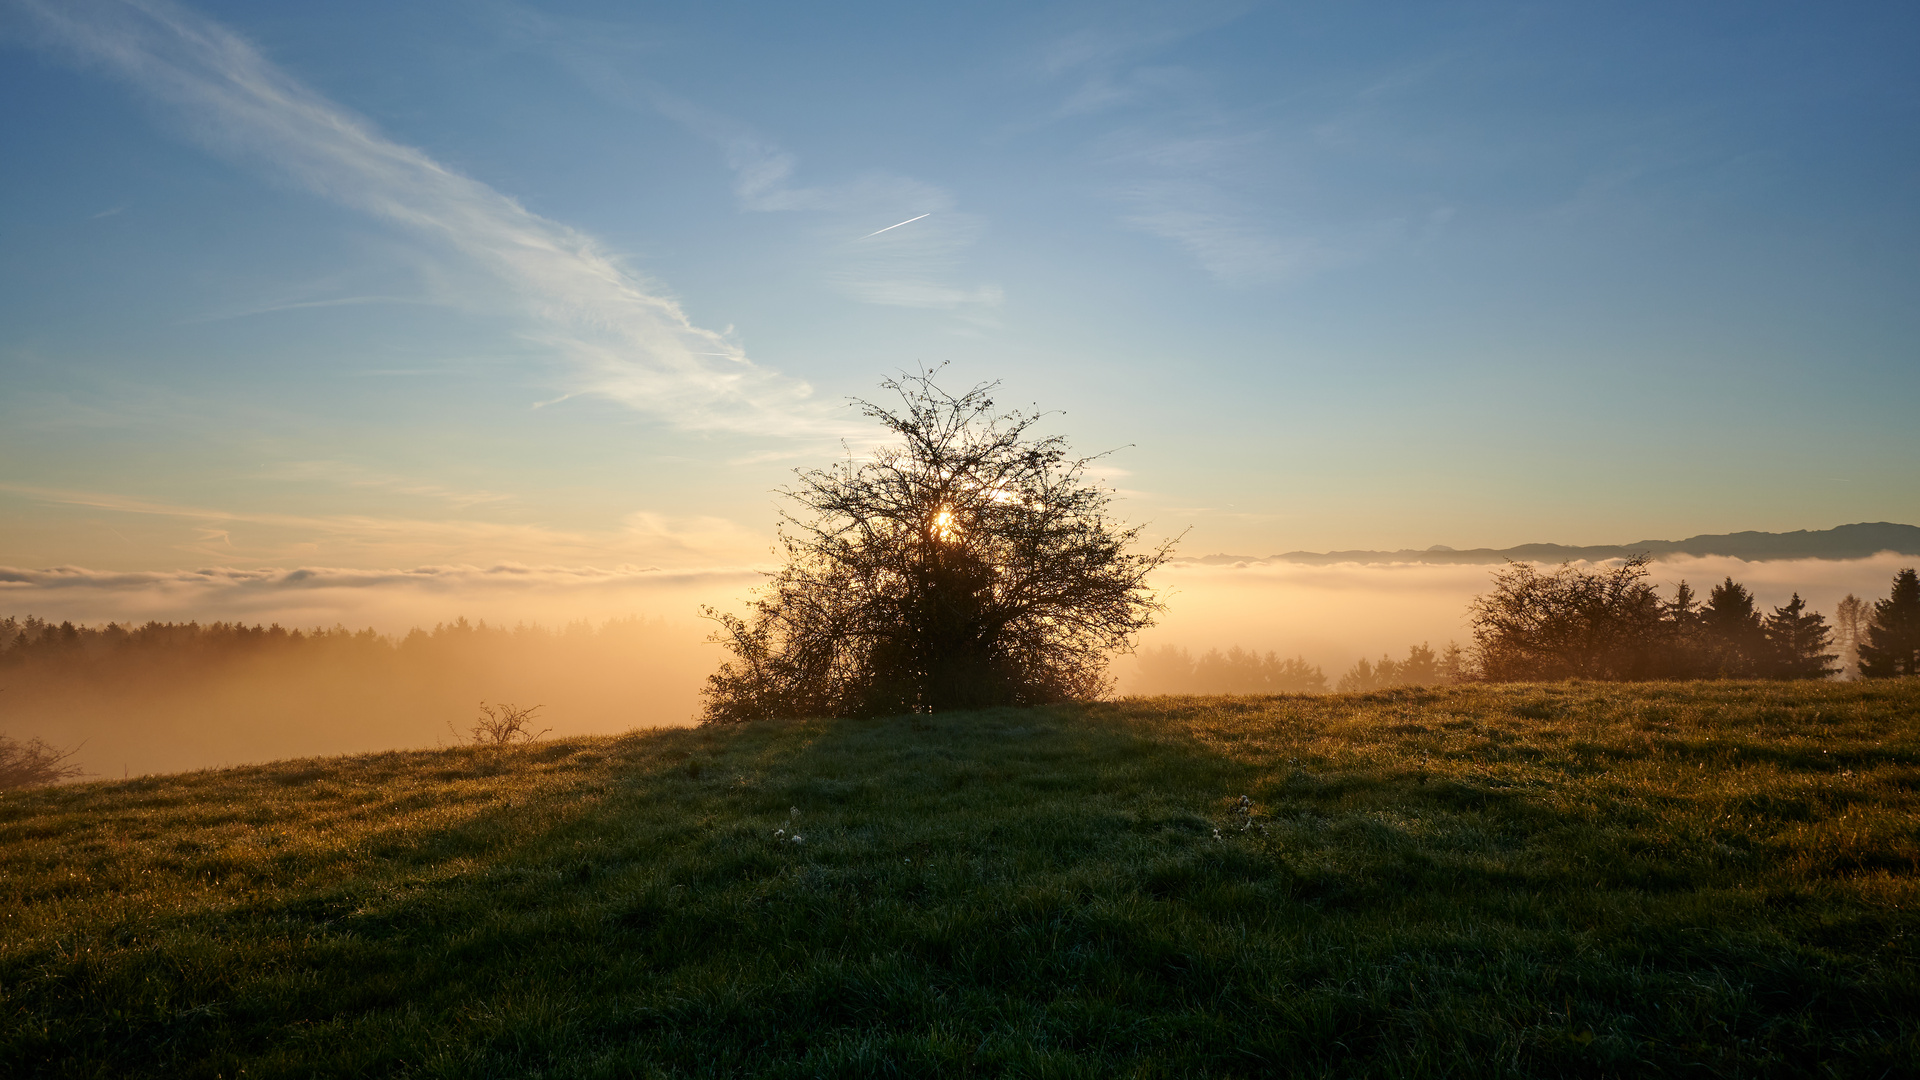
1611,623
161,696
1170,669
1591,623
32,640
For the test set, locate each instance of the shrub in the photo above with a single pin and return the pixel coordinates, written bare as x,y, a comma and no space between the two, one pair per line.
969,565
33,764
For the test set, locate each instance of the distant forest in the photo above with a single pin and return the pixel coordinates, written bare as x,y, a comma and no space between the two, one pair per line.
164,696
32,640
1611,623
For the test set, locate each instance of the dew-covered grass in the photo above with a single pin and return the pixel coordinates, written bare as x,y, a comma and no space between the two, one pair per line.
1704,879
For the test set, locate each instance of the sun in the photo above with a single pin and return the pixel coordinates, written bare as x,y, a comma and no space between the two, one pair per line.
944,526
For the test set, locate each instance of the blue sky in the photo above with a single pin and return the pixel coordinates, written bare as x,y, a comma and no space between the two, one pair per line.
376,285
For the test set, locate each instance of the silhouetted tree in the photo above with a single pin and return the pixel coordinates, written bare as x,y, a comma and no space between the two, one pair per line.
1364,675
1797,641
1243,671
1734,640
1683,653
1573,623
1422,667
1165,669
1892,644
1169,669
1294,676
970,564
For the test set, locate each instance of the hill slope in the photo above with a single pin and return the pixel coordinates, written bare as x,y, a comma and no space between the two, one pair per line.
1718,878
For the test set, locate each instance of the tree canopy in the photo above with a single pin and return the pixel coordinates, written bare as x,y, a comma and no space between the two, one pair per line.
1571,623
966,563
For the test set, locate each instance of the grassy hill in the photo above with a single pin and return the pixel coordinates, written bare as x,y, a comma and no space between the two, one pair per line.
1706,879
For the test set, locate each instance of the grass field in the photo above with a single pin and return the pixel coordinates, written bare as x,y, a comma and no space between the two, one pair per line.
1707,879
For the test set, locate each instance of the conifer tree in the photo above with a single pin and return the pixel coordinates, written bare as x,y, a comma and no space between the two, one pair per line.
1362,677
1736,644
1892,645
1797,640
1421,667
1684,655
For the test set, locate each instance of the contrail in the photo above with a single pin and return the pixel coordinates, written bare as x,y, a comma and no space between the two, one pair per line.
909,221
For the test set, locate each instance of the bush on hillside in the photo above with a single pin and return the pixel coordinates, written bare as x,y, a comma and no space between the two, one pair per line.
970,564
33,764
1571,623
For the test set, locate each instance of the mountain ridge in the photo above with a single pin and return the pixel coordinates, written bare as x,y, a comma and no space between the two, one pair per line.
1857,541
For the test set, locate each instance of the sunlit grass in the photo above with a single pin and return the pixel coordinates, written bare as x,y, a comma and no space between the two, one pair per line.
1709,878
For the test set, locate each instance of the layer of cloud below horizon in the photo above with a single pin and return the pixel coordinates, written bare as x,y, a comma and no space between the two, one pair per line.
1330,614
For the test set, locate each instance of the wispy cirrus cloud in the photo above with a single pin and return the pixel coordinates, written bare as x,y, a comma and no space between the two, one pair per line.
1242,190
916,267
620,337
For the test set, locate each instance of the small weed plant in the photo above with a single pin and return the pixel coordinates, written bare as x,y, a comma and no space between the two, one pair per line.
504,724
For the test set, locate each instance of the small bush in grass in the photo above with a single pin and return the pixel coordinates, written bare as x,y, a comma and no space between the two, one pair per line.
34,764
504,724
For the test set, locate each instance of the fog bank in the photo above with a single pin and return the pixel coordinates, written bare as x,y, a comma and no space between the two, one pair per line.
1333,615
165,699
621,672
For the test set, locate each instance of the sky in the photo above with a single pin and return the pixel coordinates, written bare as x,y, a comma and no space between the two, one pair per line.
428,297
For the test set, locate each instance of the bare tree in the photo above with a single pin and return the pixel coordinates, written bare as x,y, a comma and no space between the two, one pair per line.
968,564
34,764
1850,618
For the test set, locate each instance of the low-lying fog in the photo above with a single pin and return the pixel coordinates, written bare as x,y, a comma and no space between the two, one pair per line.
155,712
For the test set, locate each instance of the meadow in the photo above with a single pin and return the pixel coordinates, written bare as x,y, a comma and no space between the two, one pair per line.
1687,879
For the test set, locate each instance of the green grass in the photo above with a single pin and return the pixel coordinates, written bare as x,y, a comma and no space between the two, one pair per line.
1711,879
